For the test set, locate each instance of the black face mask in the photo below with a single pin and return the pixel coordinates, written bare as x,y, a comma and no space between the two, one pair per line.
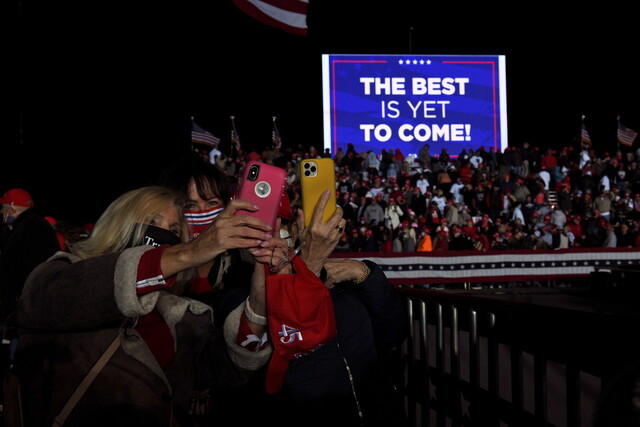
156,236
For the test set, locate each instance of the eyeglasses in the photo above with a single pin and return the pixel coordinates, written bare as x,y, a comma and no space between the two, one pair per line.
287,258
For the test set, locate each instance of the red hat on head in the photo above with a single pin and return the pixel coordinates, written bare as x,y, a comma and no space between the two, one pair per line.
285,207
17,197
301,319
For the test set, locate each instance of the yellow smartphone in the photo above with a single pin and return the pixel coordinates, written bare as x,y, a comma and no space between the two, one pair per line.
317,176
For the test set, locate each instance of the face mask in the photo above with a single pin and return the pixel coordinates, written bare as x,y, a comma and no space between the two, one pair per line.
198,221
156,236
8,219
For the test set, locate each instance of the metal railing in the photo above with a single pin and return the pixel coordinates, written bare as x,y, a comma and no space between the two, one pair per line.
512,359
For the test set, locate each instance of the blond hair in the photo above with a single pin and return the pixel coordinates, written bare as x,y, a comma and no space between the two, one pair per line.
123,224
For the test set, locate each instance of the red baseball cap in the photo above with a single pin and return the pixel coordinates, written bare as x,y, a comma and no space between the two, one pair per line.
17,197
301,319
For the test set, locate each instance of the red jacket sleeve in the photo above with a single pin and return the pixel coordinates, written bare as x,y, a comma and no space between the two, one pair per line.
150,276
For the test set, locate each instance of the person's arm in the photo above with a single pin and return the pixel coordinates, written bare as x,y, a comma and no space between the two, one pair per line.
228,231
342,270
253,322
320,238
384,304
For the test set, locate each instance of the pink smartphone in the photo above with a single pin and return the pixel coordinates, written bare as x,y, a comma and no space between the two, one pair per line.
263,185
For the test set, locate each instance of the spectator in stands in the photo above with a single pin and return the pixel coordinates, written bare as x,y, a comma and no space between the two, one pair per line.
625,238
545,176
423,183
452,213
610,240
456,190
439,199
418,202
425,156
392,214
425,244
343,244
444,179
458,241
337,158
441,241
520,191
369,243
558,217
564,198
372,163
407,237
604,203
373,213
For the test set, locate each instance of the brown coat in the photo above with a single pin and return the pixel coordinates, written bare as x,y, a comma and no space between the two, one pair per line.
69,313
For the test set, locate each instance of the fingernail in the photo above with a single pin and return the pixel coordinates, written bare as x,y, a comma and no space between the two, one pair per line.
268,236
253,251
265,244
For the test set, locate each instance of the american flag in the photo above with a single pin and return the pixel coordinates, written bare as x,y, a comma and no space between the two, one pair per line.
287,15
626,136
235,139
201,136
584,134
275,135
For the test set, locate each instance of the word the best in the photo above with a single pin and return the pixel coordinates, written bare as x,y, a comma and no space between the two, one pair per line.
419,85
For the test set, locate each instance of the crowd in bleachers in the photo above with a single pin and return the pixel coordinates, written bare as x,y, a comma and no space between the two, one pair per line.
524,197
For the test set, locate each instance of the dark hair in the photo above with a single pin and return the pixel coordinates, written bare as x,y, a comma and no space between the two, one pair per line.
204,174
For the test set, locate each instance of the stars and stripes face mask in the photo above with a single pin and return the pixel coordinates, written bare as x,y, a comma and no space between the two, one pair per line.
200,220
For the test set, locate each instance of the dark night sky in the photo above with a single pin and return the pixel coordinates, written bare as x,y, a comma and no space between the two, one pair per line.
105,91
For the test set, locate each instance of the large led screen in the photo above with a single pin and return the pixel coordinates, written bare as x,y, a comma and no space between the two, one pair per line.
407,101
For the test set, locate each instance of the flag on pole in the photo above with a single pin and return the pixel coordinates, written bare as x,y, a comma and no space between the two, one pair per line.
584,134
275,135
287,15
201,136
626,136
235,139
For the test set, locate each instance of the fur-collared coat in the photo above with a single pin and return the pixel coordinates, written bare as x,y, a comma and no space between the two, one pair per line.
69,313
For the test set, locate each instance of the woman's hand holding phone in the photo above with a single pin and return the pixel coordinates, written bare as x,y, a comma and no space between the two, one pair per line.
320,238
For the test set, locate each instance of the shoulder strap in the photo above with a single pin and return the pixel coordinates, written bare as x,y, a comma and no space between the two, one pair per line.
88,379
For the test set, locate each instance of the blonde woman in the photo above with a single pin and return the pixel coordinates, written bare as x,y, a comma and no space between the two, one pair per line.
129,273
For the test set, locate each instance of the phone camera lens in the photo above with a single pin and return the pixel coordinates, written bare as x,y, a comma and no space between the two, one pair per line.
313,168
253,173
307,165
307,173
